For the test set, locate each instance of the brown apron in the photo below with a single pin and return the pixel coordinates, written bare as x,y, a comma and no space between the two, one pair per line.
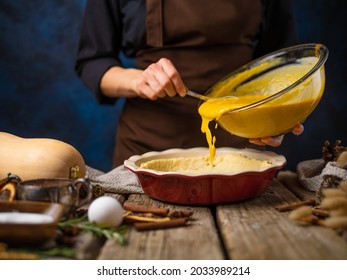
205,40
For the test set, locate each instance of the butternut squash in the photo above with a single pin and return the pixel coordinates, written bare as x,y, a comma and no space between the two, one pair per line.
32,158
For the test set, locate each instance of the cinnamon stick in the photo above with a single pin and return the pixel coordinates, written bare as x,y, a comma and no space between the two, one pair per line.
145,209
290,207
135,218
161,225
311,220
181,213
320,213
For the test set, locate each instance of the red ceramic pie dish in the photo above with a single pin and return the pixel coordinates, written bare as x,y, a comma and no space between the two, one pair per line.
205,187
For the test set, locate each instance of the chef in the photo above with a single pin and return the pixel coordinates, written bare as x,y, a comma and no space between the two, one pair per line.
177,45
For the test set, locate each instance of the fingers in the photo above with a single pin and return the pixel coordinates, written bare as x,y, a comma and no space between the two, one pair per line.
270,141
174,76
276,141
256,141
273,141
298,129
159,80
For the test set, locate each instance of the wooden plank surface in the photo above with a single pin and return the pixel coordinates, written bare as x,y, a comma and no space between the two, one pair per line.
198,240
89,245
290,180
255,230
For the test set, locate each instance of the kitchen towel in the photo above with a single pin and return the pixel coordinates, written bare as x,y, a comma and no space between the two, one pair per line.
311,173
119,180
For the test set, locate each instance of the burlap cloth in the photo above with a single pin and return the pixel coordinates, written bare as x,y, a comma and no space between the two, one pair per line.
119,180
311,173
123,181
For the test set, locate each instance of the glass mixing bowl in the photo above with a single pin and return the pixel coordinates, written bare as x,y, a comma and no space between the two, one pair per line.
274,93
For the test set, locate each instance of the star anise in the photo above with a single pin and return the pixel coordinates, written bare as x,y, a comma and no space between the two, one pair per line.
331,152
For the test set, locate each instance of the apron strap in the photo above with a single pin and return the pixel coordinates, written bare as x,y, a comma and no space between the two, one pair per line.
154,25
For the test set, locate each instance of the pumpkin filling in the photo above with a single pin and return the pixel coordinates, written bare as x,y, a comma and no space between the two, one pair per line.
258,121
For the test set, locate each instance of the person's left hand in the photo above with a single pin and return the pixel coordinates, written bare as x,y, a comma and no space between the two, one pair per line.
276,141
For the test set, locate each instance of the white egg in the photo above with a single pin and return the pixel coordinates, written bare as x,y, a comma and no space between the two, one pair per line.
107,211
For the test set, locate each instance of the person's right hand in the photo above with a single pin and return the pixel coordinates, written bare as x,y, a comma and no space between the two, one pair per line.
159,80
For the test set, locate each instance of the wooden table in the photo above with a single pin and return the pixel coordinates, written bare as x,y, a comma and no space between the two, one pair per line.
248,230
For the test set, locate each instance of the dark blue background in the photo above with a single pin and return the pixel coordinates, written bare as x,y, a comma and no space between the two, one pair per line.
41,96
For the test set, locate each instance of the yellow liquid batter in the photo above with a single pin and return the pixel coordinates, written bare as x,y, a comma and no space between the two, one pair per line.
272,118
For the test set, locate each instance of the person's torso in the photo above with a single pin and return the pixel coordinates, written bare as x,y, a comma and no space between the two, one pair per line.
205,40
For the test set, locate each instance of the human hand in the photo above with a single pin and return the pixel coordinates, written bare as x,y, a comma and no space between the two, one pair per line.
276,141
159,80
